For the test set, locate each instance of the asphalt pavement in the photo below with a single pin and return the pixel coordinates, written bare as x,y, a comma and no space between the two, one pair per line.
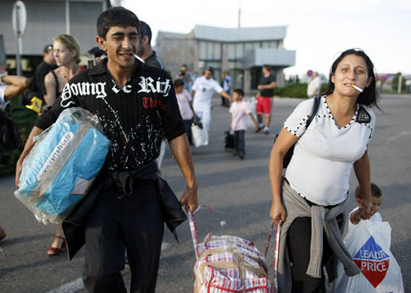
239,192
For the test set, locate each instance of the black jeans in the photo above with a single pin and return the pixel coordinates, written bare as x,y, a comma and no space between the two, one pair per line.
298,246
239,141
133,223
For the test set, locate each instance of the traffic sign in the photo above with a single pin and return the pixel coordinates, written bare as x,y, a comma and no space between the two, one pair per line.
19,18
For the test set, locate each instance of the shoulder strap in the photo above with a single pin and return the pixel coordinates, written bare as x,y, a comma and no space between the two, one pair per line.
57,83
314,110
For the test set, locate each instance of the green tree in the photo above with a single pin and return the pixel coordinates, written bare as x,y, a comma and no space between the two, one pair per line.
395,82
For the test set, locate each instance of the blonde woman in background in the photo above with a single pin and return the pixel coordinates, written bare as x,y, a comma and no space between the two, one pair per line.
66,50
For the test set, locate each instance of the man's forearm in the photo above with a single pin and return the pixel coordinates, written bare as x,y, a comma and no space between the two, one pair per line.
181,152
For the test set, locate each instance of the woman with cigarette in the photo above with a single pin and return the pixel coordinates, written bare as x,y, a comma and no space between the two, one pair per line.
308,200
66,51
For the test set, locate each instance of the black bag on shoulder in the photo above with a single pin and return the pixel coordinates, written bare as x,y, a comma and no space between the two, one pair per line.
9,134
289,154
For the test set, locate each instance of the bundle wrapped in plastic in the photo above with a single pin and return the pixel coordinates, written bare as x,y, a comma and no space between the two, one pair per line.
230,264
62,165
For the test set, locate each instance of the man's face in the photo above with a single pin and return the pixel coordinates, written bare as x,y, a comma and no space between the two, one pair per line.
49,57
208,74
121,44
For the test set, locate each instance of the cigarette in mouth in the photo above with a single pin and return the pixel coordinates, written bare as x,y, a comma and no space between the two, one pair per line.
138,58
357,88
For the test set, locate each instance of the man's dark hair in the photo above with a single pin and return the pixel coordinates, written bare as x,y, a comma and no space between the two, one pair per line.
48,48
116,16
267,67
178,82
211,69
145,30
239,92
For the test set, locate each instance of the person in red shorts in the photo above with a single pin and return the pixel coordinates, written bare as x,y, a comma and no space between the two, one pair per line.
265,98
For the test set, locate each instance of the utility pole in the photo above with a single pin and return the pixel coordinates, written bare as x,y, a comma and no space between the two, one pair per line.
239,13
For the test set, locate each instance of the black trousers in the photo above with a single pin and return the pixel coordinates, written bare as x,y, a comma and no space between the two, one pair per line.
298,245
239,141
133,223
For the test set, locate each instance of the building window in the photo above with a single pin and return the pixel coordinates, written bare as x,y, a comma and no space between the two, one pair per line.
217,51
203,51
231,51
210,50
248,48
239,50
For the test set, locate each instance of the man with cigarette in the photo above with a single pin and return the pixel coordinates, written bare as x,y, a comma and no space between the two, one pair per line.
125,209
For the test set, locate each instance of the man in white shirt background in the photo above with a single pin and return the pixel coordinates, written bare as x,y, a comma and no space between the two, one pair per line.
202,92
314,87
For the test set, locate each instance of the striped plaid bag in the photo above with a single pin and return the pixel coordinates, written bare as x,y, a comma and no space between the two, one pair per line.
229,264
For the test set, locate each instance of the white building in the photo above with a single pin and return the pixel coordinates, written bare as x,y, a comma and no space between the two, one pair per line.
240,51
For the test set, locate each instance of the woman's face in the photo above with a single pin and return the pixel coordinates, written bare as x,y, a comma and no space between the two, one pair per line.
62,54
352,70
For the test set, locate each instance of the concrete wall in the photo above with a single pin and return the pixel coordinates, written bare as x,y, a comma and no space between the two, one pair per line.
181,51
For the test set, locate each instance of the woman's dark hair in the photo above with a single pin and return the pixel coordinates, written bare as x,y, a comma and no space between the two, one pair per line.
369,96
116,16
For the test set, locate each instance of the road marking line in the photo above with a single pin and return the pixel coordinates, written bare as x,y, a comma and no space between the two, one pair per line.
69,287
402,133
78,284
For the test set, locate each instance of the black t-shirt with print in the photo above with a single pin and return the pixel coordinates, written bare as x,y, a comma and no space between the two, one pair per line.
132,117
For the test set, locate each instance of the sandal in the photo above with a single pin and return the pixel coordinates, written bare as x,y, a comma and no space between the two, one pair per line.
55,251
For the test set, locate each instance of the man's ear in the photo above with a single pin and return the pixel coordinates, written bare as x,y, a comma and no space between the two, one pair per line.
144,40
101,42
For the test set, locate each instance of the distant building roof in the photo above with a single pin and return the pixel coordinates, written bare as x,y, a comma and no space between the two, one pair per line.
239,34
244,34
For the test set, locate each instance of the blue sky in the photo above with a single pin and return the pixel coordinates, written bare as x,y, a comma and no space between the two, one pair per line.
317,30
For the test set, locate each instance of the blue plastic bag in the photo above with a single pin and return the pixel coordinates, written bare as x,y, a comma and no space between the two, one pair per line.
62,165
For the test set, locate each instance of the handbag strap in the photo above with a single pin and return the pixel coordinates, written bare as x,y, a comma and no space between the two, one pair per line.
314,110
276,252
193,229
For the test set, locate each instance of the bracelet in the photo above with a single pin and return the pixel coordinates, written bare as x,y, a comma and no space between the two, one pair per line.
1,79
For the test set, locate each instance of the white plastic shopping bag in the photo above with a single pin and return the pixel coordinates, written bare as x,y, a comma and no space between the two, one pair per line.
251,104
200,136
369,244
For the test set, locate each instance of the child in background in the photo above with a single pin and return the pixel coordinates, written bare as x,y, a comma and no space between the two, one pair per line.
357,214
239,111
185,104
